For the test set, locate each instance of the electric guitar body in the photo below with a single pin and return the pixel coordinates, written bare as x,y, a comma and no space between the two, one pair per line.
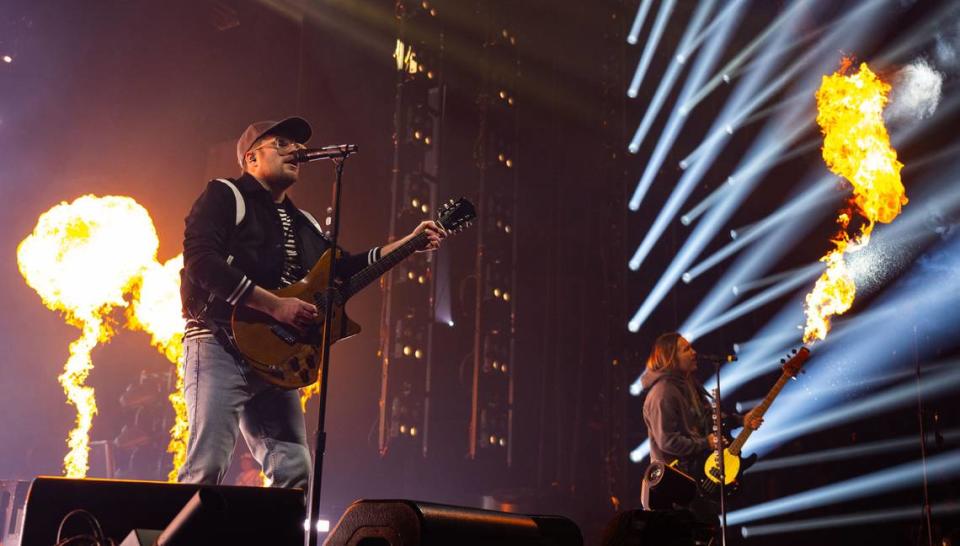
291,358
282,355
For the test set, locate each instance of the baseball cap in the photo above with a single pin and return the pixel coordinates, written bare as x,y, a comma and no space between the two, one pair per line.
296,128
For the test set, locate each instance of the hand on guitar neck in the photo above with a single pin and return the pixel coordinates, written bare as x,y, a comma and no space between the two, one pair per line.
433,231
753,419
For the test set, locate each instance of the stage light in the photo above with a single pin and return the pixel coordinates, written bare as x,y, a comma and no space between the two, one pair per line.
743,55
738,109
636,387
746,286
792,283
706,203
846,389
691,177
768,146
787,427
675,122
920,35
794,211
7,59
642,12
859,14
640,452
323,525
668,79
762,354
939,467
860,518
849,452
771,138
666,8
690,46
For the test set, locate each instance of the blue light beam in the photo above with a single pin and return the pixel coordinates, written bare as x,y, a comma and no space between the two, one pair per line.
939,467
666,8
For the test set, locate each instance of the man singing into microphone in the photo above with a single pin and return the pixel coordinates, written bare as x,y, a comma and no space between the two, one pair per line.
244,236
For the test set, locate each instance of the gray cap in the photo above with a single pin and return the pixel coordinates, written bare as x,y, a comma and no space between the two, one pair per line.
296,128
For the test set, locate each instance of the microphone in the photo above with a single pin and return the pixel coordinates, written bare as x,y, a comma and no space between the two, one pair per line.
327,152
715,359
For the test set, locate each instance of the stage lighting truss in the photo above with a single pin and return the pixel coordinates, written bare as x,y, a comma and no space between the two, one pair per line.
409,314
496,154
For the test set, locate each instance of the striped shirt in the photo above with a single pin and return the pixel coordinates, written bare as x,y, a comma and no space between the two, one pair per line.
292,270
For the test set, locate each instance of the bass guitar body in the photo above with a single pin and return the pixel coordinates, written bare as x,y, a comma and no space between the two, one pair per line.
733,467
284,356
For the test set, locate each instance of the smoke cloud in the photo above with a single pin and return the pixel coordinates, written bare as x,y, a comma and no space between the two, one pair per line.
916,92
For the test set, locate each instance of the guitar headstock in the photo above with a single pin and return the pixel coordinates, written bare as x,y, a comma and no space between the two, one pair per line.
456,214
796,360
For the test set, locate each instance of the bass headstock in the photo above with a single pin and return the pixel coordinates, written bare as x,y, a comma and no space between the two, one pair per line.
793,363
456,214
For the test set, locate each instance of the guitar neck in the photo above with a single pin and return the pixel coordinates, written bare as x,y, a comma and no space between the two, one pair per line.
759,411
374,271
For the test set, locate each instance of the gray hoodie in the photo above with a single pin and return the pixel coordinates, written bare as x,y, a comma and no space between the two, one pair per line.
674,428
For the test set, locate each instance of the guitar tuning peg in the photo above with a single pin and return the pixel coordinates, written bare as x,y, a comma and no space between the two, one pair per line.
452,201
794,351
783,360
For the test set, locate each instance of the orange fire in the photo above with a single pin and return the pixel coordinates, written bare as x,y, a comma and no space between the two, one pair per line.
65,260
85,259
856,146
156,311
306,393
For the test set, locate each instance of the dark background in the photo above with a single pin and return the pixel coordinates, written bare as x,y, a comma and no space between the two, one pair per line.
146,99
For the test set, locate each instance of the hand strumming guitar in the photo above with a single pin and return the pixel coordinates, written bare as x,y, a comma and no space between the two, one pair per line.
290,311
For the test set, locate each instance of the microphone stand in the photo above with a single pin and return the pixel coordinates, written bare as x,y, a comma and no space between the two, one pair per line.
313,491
923,440
718,430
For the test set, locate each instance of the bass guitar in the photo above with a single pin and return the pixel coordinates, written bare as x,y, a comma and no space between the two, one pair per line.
710,481
290,358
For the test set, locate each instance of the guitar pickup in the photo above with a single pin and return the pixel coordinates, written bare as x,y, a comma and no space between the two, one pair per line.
285,335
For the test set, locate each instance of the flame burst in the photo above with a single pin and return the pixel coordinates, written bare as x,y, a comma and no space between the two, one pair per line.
63,260
856,146
85,259
156,311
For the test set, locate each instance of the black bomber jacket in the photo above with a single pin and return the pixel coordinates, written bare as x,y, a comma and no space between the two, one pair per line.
223,260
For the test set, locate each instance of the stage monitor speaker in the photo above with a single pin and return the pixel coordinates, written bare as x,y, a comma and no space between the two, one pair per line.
251,515
412,523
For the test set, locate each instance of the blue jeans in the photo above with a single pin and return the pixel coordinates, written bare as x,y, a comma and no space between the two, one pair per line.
224,397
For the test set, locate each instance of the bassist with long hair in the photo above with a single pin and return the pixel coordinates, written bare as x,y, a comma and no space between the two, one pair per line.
677,412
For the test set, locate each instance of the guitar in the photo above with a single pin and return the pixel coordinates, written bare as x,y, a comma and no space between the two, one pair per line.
710,481
291,359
